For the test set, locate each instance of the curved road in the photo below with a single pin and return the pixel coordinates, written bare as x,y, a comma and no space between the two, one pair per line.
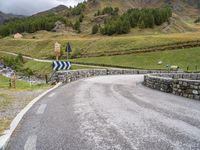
109,113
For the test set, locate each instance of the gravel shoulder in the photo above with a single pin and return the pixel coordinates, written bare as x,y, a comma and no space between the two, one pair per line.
12,102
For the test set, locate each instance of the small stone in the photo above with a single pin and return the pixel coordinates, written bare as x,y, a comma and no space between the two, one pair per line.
195,92
185,83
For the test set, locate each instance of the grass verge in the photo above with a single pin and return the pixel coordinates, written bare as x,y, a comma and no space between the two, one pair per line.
181,57
43,47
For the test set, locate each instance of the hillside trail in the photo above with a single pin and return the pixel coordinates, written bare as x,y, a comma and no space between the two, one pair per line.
50,61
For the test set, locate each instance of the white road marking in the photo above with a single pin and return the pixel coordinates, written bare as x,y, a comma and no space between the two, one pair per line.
51,95
31,143
41,109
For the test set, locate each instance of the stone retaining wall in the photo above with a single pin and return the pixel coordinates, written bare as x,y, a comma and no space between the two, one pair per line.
186,85
70,75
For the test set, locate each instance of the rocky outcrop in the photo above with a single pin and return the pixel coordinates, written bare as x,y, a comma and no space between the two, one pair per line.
59,26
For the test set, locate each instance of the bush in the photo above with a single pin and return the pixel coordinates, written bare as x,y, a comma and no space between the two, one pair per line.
95,29
197,20
77,26
19,58
81,18
17,64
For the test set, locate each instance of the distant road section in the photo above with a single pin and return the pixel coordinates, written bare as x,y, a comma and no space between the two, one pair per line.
109,113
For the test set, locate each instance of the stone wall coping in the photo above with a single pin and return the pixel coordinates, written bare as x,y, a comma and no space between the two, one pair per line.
188,80
168,78
65,71
157,77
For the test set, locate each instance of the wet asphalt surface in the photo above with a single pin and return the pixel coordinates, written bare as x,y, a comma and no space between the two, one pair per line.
109,113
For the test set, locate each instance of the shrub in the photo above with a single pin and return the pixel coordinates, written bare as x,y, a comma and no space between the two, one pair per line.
197,20
95,29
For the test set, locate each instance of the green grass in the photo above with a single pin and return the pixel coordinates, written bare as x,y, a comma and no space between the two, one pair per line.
39,69
43,47
20,85
181,58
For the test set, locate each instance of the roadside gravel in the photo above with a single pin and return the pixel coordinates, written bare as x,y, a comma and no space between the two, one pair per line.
12,102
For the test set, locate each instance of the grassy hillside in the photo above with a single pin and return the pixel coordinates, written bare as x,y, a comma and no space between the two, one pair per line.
182,58
179,28
38,69
43,45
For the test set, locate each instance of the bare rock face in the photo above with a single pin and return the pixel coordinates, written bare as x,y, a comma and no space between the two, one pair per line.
59,26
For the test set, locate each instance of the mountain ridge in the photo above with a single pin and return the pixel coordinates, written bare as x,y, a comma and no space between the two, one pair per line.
6,17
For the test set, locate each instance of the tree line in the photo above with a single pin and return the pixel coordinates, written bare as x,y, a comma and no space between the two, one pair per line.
78,9
31,24
142,18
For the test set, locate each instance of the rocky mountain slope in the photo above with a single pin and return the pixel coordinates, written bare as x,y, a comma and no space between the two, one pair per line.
5,17
83,17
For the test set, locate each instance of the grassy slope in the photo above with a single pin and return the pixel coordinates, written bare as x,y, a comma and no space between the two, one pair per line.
182,58
40,69
91,9
44,45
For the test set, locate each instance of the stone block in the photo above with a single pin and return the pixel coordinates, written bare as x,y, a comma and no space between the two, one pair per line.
195,92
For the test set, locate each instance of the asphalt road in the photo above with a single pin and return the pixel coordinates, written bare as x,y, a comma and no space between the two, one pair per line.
109,113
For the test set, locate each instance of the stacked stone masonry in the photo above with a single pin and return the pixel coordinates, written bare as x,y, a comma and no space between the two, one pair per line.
70,75
181,84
